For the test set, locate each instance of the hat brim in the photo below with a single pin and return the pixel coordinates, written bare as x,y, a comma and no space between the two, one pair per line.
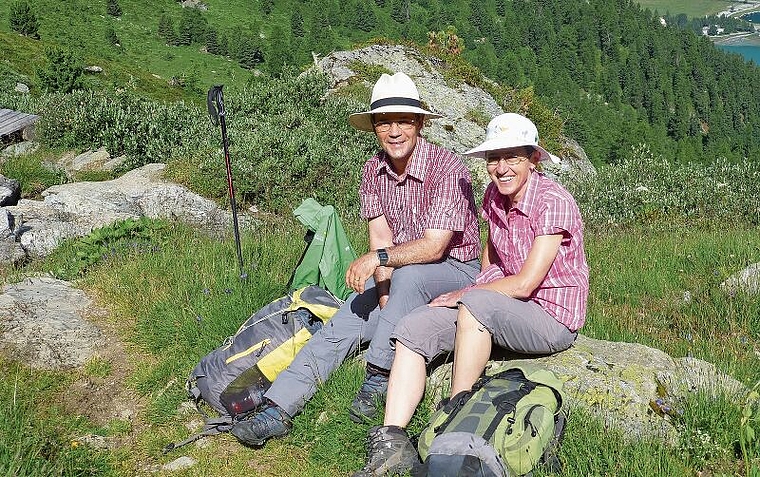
499,143
363,121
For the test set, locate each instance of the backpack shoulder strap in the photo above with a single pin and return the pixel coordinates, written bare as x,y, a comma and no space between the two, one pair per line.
212,427
506,403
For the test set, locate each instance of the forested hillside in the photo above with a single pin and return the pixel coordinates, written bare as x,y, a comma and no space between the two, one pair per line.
613,71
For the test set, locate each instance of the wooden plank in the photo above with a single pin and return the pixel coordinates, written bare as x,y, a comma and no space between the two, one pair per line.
13,121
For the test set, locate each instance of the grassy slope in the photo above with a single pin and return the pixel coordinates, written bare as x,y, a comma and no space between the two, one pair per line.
190,297
145,64
692,8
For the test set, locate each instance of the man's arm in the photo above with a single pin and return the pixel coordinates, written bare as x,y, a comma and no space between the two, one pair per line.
380,236
429,248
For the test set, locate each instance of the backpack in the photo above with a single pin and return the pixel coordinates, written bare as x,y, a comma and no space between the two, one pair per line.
233,378
507,424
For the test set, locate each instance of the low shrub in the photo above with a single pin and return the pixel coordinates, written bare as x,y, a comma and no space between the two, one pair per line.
644,189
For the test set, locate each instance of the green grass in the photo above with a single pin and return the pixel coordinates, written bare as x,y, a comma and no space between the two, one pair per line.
692,8
145,63
175,300
36,438
35,172
660,287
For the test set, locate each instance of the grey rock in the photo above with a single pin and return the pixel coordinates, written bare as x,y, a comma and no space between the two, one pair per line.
466,109
74,210
10,191
21,88
96,442
42,323
574,163
113,164
621,382
182,463
90,160
195,4
20,149
99,160
6,223
11,252
93,69
745,281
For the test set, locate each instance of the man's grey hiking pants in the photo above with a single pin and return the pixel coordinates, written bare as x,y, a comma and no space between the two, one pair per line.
360,320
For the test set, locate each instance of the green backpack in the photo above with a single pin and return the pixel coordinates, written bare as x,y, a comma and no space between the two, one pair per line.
507,424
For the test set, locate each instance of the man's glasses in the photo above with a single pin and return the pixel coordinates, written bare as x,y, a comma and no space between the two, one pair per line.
511,160
403,124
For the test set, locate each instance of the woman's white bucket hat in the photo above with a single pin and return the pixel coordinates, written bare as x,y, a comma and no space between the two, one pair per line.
391,94
511,130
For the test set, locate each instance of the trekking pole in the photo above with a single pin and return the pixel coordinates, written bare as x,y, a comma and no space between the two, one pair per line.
217,113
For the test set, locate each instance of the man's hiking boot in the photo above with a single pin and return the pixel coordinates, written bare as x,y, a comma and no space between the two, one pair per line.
389,452
270,422
370,396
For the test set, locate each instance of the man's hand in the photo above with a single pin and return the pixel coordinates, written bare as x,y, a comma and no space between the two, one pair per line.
450,299
360,270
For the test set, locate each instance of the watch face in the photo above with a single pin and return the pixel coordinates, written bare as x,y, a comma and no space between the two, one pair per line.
382,254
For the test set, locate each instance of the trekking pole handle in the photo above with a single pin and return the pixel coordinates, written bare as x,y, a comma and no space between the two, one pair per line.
215,103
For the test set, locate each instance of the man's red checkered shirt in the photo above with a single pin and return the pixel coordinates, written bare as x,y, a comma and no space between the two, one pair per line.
435,192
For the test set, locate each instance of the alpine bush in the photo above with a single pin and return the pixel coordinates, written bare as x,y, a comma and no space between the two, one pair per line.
287,142
23,20
643,188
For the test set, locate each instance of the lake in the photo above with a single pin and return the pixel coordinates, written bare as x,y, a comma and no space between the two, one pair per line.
749,52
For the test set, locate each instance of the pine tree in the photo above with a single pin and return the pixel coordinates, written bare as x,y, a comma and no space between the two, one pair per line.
224,49
297,24
400,10
113,8
249,54
111,37
63,72
23,20
267,6
165,27
364,17
212,42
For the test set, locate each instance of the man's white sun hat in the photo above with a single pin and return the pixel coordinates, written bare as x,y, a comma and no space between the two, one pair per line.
511,130
391,94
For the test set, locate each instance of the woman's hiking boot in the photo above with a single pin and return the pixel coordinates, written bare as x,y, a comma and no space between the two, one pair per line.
273,421
370,396
389,452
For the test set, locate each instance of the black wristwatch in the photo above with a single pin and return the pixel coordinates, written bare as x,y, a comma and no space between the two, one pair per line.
382,255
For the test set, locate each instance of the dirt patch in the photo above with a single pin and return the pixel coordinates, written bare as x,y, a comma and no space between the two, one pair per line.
99,391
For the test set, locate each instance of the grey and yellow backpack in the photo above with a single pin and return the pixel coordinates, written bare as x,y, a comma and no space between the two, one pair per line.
233,378
510,422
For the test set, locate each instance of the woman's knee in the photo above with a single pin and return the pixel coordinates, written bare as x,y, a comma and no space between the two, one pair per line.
466,321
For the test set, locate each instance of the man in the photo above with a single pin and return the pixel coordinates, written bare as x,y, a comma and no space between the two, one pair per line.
423,240
530,296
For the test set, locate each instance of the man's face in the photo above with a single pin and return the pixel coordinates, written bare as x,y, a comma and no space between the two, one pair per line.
510,170
397,134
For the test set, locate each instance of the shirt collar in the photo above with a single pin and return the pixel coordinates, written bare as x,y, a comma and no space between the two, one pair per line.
416,166
530,199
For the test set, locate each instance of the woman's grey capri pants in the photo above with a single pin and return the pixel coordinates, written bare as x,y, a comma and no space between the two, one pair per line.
516,325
